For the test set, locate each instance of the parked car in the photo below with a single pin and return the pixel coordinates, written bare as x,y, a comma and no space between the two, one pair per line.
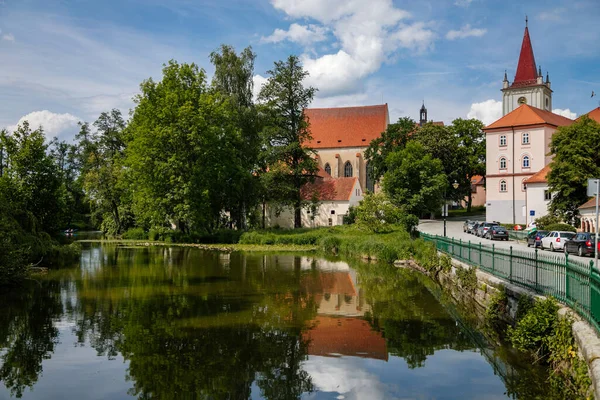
483,228
468,226
582,244
497,232
475,227
555,240
535,238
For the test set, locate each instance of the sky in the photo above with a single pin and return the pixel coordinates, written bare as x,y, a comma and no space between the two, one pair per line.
65,61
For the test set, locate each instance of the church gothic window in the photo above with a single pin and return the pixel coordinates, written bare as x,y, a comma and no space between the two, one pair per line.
370,183
328,168
347,169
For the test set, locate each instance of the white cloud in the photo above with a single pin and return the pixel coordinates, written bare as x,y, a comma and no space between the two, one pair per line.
9,37
303,34
464,32
565,113
487,111
258,81
463,3
61,125
367,36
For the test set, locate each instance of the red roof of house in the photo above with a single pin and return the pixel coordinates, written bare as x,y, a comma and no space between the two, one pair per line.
540,176
328,188
335,336
346,126
477,180
594,114
527,115
526,69
591,203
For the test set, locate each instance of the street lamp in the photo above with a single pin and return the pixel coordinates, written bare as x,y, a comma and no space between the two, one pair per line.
445,208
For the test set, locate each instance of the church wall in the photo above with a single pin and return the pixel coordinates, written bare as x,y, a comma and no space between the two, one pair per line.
359,166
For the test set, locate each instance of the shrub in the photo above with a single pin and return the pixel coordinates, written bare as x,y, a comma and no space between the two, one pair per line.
330,244
531,333
376,213
135,233
497,307
560,227
467,278
547,220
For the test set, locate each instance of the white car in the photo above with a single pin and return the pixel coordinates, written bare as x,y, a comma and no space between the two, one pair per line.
555,240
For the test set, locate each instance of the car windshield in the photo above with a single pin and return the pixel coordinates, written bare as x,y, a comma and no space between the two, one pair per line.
542,233
499,228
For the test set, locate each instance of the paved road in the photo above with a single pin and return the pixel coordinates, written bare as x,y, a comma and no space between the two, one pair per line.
454,229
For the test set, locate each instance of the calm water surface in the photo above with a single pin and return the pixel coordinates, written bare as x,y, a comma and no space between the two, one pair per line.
182,323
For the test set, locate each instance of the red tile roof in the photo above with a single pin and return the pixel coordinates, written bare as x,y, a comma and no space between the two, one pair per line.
328,188
591,203
335,336
594,114
540,176
526,69
477,180
346,126
527,115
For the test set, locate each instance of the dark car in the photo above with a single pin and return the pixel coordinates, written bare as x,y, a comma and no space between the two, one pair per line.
468,226
497,232
475,227
582,244
535,238
483,228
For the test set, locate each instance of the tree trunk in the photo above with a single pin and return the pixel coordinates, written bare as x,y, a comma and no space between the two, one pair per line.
116,216
297,214
469,201
264,212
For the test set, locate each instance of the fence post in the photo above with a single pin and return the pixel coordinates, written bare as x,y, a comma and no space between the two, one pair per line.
469,251
536,269
493,257
510,263
460,246
480,255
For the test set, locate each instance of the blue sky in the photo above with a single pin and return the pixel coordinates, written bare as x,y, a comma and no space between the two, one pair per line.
62,61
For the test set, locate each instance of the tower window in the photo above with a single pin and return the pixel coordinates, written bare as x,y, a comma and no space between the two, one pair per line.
503,186
347,169
526,162
502,140
526,138
503,163
547,104
328,168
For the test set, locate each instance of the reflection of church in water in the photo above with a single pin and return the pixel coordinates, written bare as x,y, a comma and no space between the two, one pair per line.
338,329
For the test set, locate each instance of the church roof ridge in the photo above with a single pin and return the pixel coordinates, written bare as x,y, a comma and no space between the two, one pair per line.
528,115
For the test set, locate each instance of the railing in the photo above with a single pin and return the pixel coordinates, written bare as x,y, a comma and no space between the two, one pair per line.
573,282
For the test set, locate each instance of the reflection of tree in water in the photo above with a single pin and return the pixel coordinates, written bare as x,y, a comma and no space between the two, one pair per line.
191,328
27,333
413,322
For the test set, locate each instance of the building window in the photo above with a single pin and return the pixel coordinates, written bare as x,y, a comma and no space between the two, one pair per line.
503,163
526,162
357,191
347,169
547,195
526,138
330,221
332,212
328,168
503,186
370,183
502,140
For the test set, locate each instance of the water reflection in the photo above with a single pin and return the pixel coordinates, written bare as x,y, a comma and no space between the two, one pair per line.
174,323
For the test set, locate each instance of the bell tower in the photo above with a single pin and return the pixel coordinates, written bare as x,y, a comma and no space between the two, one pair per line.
423,115
528,86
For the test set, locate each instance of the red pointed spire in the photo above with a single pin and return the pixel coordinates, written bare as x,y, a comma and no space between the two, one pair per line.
526,70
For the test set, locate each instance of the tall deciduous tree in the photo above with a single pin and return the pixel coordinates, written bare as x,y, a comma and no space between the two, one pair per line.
233,78
470,155
286,132
576,151
415,180
182,150
103,175
392,139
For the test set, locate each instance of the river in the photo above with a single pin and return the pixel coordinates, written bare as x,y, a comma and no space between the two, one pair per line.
184,323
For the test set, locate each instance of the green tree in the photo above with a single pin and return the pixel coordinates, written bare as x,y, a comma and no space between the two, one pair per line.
182,150
376,213
291,163
102,169
415,180
233,78
576,151
392,139
470,155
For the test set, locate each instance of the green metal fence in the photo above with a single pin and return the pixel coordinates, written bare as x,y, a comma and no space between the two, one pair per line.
573,282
